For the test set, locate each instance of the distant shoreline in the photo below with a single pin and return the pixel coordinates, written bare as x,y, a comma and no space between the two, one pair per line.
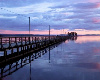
90,35
12,35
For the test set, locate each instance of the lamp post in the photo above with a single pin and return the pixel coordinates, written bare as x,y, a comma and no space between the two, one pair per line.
29,25
49,43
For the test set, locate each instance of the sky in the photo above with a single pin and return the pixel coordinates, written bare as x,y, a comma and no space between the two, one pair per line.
81,16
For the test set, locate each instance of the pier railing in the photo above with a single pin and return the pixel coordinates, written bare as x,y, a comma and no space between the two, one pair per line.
14,47
8,42
18,63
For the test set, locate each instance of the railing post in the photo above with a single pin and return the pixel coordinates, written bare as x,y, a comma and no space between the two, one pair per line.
29,40
35,43
21,41
9,42
1,44
18,50
24,50
16,65
32,39
45,41
21,62
16,41
12,51
27,48
5,54
2,72
25,40
35,56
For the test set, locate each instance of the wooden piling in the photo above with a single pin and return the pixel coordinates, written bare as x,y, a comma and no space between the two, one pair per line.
9,42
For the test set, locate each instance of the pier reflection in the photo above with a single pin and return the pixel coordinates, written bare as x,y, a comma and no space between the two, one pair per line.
14,65
73,38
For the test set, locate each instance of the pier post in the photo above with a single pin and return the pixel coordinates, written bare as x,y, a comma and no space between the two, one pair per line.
25,40
49,34
21,62
5,54
16,65
2,72
29,58
1,44
27,48
9,42
35,43
32,40
45,41
29,40
12,51
23,50
21,41
35,56
16,41
18,50
29,25
9,68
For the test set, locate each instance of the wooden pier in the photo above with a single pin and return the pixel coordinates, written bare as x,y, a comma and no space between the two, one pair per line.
15,47
20,62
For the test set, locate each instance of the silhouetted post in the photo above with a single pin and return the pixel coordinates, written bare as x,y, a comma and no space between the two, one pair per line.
9,42
32,39
30,70
49,34
12,51
45,41
1,43
49,43
16,41
5,54
2,72
29,25
16,65
49,54
35,43
25,40
18,50
21,62
35,56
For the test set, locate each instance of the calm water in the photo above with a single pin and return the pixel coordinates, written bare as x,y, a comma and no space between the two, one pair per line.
71,60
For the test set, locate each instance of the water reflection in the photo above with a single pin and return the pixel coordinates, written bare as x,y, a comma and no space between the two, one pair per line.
85,39
49,54
30,70
68,61
15,65
73,38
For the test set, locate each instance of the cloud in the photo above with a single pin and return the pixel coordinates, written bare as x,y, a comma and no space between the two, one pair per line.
42,7
87,5
73,14
96,20
60,6
20,3
11,17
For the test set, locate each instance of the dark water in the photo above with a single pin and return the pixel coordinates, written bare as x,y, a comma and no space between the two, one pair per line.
71,60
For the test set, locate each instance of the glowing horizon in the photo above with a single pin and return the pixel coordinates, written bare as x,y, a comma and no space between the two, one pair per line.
52,31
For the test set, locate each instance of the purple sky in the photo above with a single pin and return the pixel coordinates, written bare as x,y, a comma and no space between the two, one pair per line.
60,14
